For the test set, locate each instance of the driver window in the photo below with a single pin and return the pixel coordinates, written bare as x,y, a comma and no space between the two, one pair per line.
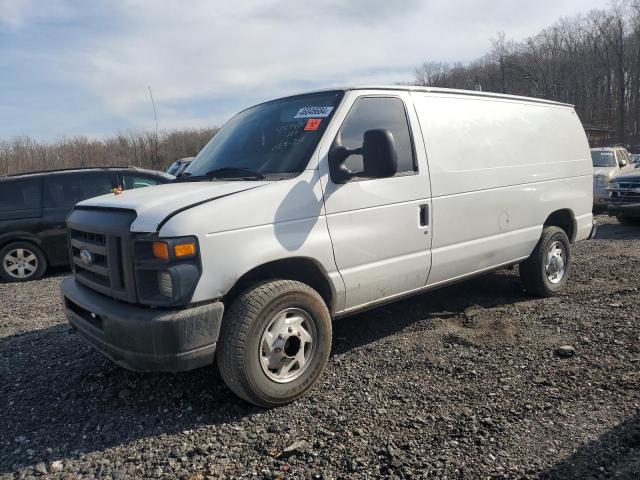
370,113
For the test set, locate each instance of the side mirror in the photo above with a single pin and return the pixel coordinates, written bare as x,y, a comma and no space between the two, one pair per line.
623,163
379,157
379,154
338,170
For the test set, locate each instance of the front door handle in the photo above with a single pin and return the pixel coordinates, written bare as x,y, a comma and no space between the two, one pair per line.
424,215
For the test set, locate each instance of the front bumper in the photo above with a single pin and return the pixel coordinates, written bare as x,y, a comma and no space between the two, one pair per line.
143,339
626,209
601,197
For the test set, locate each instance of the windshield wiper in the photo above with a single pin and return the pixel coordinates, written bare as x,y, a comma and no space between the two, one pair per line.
234,172
224,172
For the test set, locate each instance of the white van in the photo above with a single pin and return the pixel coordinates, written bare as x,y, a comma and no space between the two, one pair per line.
317,206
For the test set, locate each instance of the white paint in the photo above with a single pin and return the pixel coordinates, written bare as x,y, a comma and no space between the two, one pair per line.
491,155
491,169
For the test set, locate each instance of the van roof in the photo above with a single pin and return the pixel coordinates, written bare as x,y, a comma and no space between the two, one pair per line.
446,91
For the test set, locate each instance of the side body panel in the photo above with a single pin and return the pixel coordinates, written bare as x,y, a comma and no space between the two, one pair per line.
381,248
23,222
273,221
72,187
499,168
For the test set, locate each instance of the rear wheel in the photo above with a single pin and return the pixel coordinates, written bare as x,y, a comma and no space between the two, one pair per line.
274,342
21,262
546,271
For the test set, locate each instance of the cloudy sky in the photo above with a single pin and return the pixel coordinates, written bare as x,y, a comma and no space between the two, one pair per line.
72,67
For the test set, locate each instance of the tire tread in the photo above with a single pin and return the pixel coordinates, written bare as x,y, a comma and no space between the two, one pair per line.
235,327
530,270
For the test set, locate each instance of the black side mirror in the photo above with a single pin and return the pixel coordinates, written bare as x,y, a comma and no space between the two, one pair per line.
379,154
379,157
338,170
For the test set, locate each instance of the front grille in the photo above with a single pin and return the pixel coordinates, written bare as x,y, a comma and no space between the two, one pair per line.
625,194
100,249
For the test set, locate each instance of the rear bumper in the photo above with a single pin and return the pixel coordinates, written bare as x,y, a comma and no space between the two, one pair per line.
628,210
143,339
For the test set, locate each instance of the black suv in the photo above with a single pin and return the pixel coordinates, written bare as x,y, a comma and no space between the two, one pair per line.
34,208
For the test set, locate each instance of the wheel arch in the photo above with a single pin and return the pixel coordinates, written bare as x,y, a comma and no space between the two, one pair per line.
19,236
564,219
302,269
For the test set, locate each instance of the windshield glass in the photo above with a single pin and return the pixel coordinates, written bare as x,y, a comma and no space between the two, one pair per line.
272,138
603,159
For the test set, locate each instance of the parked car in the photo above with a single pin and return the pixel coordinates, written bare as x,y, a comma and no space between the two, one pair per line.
625,198
34,208
318,206
179,166
608,162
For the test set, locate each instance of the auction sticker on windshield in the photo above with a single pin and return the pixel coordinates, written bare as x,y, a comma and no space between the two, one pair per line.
312,124
309,112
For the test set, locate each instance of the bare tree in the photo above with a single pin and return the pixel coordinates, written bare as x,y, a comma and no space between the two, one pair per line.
135,148
590,60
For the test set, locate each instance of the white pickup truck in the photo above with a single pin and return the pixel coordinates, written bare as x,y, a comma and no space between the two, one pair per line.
316,206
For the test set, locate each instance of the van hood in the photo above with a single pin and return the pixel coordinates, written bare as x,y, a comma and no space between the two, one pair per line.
633,177
154,204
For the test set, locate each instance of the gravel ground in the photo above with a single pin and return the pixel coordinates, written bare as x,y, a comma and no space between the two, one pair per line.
463,382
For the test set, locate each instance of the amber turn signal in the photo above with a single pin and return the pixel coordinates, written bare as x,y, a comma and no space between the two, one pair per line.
160,250
185,249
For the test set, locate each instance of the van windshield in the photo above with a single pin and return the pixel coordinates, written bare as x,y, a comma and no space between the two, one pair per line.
269,141
603,159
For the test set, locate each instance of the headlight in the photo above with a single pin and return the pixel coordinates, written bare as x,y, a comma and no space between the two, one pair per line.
174,248
601,180
165,286
167,270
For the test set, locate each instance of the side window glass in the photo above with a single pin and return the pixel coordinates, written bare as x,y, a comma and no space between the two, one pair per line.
137,181
67,190
20,195
370,113
628,156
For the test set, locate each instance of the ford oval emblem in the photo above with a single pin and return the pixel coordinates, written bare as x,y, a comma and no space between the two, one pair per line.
86,257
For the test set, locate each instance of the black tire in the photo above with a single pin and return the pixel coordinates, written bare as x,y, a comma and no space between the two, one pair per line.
240,342
533,271
627,221
29,250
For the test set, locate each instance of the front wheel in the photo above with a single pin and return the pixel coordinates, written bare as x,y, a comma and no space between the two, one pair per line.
546,271
274,342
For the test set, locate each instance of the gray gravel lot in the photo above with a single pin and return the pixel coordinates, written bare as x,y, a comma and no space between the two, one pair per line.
463,382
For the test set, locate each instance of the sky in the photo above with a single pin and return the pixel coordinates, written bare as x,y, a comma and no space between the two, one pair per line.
75,67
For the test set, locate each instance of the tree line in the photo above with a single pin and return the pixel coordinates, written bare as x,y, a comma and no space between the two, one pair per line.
134,148
590,60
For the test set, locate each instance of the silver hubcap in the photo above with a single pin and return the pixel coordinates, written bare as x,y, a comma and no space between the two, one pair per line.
287,345
20,263
556,261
